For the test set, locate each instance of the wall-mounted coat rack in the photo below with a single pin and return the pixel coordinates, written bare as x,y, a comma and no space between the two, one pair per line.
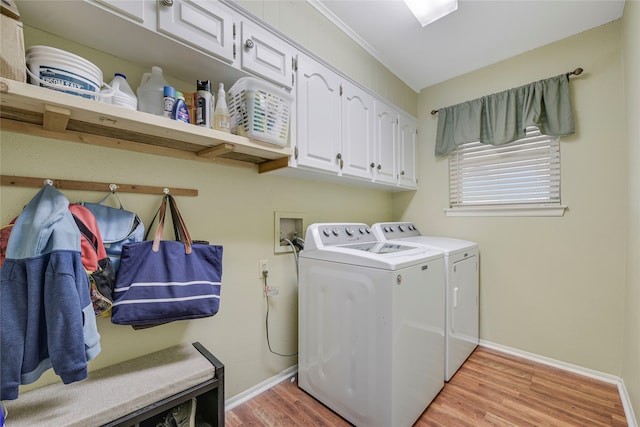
67,184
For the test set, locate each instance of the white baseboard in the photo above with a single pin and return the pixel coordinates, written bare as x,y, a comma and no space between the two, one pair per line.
259,388
601,376
626,404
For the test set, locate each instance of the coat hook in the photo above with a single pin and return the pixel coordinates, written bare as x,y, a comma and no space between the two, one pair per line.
48,182
165,190
113,187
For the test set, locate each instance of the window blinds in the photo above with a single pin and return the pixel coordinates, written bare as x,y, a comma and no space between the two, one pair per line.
526,171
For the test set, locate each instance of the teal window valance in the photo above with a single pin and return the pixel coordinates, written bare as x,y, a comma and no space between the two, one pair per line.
502,117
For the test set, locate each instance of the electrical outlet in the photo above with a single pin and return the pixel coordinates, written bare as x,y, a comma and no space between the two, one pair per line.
263,265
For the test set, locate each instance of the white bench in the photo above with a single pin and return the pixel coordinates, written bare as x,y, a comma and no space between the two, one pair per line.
129,393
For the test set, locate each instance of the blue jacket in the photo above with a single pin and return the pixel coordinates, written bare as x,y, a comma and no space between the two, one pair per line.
46,314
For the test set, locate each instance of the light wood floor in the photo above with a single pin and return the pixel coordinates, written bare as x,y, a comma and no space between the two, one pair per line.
491,388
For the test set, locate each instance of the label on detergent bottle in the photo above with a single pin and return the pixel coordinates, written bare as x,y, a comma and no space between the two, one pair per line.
169,101
60,80
204,103
180,110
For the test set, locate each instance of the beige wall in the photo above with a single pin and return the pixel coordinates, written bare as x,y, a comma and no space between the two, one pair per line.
235,208
631,351
550,286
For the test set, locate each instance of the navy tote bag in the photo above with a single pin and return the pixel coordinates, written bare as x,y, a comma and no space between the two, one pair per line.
162,281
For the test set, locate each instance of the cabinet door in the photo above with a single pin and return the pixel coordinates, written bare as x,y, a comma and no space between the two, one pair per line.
357,131
407,176
133,9
318,112
386,141
266,55
204,24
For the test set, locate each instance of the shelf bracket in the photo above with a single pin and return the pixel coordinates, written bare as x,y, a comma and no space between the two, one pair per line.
216,151
273,165
55,118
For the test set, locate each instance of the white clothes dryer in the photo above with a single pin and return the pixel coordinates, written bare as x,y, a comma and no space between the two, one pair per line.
462,287
371,324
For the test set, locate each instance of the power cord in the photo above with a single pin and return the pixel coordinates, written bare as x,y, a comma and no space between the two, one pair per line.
266,293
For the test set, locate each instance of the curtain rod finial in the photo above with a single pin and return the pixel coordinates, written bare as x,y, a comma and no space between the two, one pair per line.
575,72
434,112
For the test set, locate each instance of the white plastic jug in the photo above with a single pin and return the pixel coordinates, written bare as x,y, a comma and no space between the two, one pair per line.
151,92
122,93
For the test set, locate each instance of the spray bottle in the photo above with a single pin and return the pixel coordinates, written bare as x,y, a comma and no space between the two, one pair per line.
221,119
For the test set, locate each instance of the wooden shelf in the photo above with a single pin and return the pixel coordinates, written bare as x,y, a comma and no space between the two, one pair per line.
33,110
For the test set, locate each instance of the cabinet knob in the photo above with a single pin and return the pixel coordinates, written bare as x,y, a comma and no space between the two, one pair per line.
372,165
338,156
402,173
248,44
379,167
167,2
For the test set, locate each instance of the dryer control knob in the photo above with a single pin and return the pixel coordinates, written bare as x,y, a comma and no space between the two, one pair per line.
401,228
326,232
349,231
361,230
386,229
335,231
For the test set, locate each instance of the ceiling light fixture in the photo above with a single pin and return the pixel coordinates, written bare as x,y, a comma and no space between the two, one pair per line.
428,11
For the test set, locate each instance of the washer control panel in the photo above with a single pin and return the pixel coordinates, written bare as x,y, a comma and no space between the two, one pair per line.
334,234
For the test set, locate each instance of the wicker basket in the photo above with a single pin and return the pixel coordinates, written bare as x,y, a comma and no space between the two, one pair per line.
259,111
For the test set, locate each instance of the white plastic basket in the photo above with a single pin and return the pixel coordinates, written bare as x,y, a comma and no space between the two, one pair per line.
259,110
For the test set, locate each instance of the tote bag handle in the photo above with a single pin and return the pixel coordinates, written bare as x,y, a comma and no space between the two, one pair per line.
180,227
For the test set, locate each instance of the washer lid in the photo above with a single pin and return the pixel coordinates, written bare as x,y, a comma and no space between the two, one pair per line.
379,247
381,255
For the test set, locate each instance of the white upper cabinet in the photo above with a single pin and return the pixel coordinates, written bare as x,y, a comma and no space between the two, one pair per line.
386,142
319,116
344,130
206,25
357,131
265,54
407,176
335,122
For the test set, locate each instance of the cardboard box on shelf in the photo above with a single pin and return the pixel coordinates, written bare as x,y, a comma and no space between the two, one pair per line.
12,61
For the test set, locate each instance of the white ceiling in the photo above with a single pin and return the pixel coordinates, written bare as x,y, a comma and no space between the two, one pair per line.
479,33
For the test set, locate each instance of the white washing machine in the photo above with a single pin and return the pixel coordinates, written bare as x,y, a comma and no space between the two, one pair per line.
461,259
371,325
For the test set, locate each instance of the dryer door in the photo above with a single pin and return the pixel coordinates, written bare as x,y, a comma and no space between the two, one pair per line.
463,312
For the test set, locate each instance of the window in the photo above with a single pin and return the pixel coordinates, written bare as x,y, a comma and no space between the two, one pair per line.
519,178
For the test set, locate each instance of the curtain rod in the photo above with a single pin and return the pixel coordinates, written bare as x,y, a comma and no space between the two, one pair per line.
67,184
575,72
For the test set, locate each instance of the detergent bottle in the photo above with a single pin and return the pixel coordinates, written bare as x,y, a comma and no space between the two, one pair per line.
151,92
122,93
